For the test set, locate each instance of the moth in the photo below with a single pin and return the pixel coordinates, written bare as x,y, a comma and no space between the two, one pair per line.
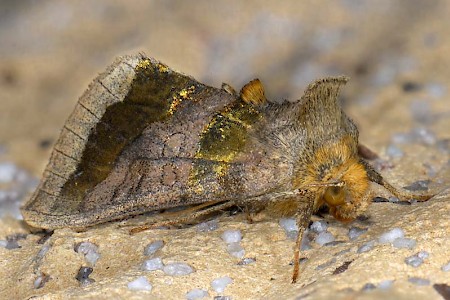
146,138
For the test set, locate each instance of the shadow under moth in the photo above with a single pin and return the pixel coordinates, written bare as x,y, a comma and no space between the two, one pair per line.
145,138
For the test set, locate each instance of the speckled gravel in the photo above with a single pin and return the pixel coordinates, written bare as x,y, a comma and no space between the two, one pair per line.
140,284
366,247
356,232
417,259
208,226
196,294
178,269
232,236
90,252
219,284
152,264
154,246
319,226
419,281
404,243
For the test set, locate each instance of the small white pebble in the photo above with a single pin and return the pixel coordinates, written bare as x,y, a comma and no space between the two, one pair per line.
288,224
177,269
43,251
393,199
319,226
208,226
423,254
419,281
152,264
404,243
424,135
436,89
38,282
89,250
140,284
7,172
247,261
366,247
385,284
231,236
416,259
41,280
92,257
326,264
86,247
394,151
369,286
83,276
323,238
151,248
446,267
292,235
401,138
196,294
221,283
391,235
355,232
306,243
420,110
236,250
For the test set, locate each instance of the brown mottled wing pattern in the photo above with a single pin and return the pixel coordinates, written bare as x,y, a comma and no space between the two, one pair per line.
137,118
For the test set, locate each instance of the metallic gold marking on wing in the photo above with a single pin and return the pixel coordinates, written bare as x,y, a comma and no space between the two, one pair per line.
184,94
226,134
223,139
163,68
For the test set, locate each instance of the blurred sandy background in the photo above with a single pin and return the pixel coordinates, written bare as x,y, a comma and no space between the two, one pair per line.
51,50
395,52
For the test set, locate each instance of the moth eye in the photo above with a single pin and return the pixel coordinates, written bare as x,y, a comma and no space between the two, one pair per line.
334,195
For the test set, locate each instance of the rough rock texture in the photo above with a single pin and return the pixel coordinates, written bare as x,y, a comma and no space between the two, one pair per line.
396,54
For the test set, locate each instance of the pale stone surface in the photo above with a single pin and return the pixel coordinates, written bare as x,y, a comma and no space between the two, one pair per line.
397,58
266,241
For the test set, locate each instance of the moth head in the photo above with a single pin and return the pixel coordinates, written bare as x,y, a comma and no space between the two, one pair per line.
339,178
351,195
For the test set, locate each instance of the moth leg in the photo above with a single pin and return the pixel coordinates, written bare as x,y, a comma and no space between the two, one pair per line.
229,89
404,195
248,214
366,153
401,194
304,209
304,214
186,217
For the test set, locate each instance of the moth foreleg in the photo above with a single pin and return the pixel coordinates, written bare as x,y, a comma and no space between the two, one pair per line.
304,213
282,203
185,216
